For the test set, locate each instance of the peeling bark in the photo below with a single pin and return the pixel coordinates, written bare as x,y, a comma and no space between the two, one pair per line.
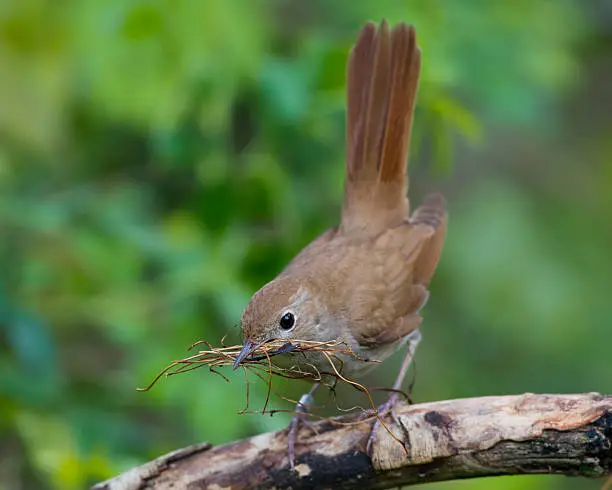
503,435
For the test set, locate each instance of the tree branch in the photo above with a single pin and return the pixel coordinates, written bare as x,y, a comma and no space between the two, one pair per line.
503,435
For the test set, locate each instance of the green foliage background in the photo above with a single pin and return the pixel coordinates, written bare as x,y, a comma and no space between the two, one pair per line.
161,160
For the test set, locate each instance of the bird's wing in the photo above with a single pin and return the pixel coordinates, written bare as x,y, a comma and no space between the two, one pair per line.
393,287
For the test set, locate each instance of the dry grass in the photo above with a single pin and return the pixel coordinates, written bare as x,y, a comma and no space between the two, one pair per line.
259,363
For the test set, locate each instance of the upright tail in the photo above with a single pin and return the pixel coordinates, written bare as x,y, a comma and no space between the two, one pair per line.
382,77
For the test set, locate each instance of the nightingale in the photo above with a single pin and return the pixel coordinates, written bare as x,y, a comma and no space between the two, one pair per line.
364,282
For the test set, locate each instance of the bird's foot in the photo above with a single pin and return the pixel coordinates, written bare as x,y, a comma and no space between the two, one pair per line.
383,411
300,418
389,406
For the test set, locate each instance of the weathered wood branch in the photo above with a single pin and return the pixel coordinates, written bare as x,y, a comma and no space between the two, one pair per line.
554,434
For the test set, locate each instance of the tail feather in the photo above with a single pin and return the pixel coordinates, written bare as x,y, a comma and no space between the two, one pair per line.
402,98
383,72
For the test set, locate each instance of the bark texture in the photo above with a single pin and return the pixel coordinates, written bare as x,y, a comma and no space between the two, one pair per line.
500,435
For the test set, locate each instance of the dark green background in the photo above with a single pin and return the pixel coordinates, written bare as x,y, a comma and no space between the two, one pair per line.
161,160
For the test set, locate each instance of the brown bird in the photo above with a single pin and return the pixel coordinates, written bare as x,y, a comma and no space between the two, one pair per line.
364,282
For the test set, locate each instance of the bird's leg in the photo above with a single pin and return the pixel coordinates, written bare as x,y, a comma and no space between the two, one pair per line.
301,409
389,405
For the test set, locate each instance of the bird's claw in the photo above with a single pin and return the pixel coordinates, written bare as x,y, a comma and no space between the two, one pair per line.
301,417
385,409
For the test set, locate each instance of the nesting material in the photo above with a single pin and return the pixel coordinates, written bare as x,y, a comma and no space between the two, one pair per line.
260,360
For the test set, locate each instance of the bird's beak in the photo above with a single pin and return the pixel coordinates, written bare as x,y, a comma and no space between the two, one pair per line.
248,347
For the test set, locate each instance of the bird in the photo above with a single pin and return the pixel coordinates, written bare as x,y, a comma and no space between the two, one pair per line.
364,282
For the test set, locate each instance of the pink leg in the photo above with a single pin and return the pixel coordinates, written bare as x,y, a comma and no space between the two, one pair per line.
389,405
302,407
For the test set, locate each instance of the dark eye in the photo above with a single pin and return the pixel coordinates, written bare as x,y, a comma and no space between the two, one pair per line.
287,321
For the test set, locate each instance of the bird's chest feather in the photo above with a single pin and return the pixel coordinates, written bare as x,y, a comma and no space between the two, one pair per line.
350,359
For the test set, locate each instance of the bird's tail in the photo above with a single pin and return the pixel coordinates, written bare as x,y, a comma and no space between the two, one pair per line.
383,73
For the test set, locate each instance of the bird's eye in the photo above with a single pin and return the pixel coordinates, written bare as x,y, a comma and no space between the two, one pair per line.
287,321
